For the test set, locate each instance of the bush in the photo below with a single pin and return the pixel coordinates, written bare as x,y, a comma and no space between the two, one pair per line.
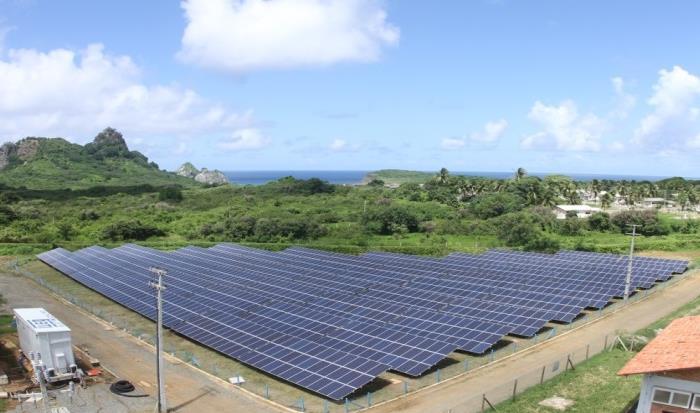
130,230
600,221
571,226
89,215
517,229
543,243
7,215
170,194
648,222
386,219
493,205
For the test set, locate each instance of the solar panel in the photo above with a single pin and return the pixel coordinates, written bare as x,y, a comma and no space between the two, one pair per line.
332,322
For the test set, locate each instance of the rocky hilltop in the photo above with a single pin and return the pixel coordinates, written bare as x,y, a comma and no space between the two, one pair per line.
204,176
55,163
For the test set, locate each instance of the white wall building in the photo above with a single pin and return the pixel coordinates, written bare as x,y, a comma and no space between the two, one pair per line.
582,211
671,367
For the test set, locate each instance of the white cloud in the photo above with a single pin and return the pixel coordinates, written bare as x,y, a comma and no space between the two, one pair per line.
492,131
244,35
452,144
564,129
625,102
341,145
248,139
674,123
77,93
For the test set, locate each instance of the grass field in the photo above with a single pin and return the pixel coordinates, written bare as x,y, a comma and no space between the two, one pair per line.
594,383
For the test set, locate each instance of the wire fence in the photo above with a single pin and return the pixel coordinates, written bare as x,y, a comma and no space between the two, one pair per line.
387,388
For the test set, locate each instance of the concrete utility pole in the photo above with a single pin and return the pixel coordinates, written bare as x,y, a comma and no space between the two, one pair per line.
628,279
159,287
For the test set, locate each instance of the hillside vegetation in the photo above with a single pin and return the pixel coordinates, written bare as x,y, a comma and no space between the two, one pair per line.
56,164
447,213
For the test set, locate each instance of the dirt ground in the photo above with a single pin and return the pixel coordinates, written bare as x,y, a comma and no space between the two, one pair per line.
188,390
464,392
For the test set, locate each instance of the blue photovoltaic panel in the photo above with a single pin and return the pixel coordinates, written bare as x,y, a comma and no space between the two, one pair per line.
332,322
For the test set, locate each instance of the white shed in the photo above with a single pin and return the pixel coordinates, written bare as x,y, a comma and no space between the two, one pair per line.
43,335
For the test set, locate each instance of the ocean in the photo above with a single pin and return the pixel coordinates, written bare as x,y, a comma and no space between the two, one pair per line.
355,177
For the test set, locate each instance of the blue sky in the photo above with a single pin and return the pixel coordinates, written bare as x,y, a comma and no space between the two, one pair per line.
553,86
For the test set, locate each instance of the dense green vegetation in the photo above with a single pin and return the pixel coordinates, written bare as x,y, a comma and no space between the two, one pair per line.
56,164
445,213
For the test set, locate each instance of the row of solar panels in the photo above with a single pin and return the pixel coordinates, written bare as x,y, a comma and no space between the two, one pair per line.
332,322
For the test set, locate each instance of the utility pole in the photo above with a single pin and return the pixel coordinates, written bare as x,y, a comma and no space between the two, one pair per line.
628,279
159,287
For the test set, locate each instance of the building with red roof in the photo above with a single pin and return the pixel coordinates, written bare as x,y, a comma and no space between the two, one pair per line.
670,364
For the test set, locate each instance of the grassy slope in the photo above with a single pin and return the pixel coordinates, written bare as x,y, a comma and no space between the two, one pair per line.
594,383
59,164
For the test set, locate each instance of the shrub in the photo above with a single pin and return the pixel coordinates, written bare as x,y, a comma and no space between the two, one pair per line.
384,220
600,221
493,205
170,194
516,229
130,230
648,221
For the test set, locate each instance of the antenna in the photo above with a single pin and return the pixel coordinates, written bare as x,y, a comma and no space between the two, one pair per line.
628,279
160,371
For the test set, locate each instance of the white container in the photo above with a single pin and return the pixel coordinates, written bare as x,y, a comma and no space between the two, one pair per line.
40,333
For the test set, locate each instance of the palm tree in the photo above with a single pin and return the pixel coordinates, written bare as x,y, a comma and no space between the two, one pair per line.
606,200
443,176
520,173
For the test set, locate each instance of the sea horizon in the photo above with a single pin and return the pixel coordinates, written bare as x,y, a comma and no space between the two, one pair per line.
354,177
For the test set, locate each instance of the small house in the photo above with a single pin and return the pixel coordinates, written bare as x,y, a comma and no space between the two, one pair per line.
670,365
656,203
581,211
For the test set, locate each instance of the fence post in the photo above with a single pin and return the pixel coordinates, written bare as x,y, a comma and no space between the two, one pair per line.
326,409
588,347
301,404
515,388
437,376
483,402
492,355
605,346
347,405
515,347
405,387
466,365
267,391
542,375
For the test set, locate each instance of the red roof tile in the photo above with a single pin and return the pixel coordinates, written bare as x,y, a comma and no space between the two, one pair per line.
677,347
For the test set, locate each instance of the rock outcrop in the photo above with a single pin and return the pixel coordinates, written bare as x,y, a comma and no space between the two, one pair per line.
27,148
6,152
208,177
187,170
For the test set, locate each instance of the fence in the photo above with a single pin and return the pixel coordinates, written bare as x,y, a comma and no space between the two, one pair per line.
388,387
486,399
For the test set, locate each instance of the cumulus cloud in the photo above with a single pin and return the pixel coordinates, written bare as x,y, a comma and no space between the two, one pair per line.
563,128
244,35
491,132
625,102
452,144
76,93
341,145
674,121
248,139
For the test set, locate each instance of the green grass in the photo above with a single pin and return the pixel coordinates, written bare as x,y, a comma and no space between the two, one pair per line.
6,324
594,383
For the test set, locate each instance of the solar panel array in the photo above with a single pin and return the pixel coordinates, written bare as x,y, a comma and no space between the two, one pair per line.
332,322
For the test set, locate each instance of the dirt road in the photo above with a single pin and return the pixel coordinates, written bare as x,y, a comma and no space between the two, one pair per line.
188,390
468,388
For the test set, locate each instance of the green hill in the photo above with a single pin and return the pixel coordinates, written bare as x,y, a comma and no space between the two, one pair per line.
399,176
55,163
